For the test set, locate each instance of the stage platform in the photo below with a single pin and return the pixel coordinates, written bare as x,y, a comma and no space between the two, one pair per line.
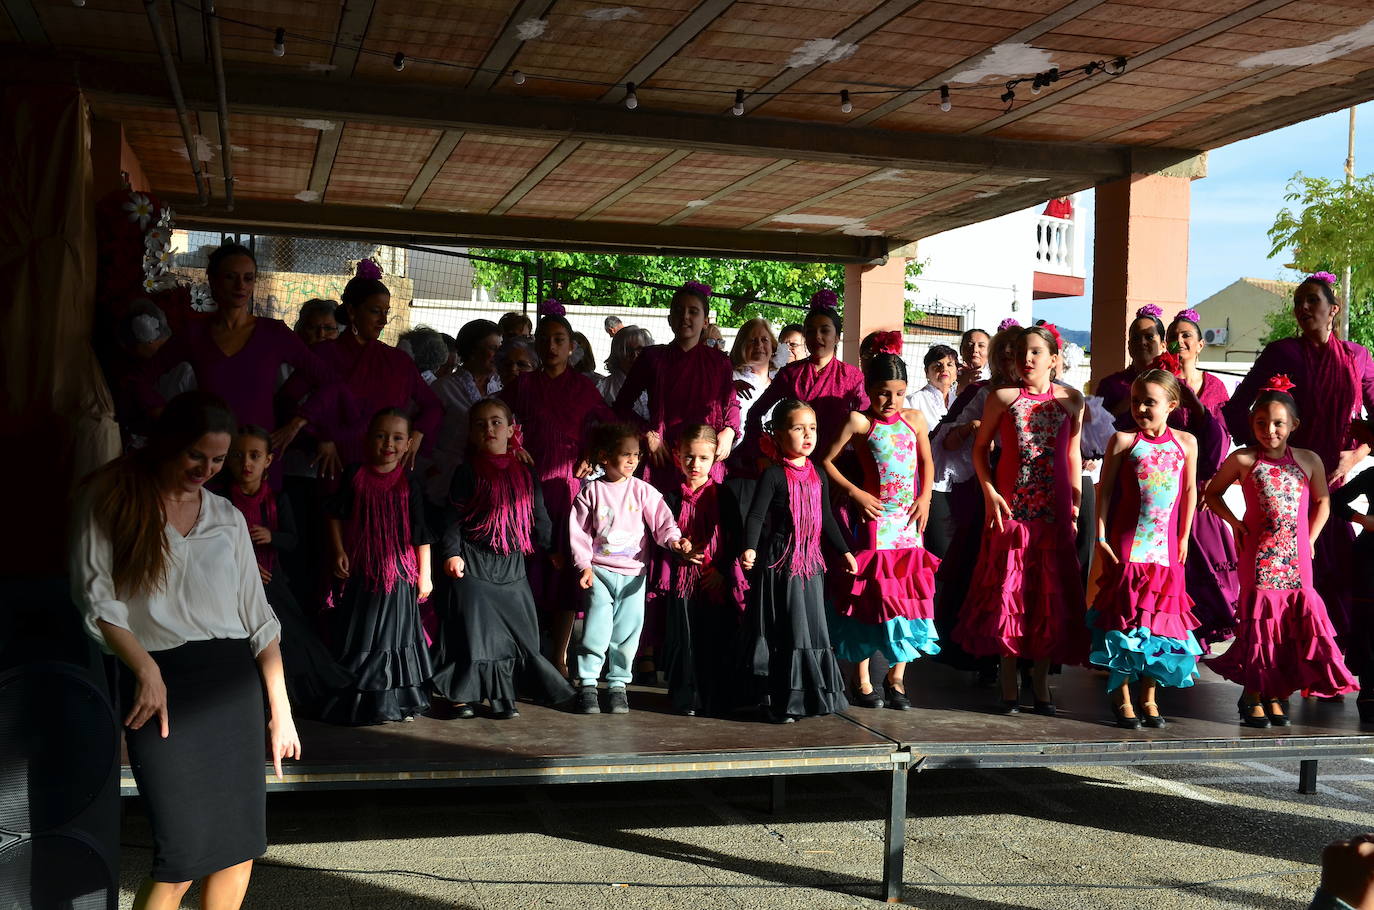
952,726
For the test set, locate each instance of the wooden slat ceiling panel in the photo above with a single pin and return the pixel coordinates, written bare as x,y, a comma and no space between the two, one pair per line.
272,156
155,138
580,181
481,170
639,214
317,20
357,177
439,29
117,25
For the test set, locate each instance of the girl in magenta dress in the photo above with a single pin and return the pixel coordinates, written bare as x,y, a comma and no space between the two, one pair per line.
1284,639
1142,625
830,386
1144,342
1026,599
556,407
890,606
1211,575
688,383
1333,379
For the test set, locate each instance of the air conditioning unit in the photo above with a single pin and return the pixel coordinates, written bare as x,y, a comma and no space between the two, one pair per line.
1214,336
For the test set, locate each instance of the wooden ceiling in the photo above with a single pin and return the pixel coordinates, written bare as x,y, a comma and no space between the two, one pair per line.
333,137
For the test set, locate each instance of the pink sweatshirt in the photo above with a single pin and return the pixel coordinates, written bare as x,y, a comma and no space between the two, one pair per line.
609,521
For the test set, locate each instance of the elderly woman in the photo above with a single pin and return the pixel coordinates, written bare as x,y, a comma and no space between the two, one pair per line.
752,356
427,348
1333,380
626,345
315,322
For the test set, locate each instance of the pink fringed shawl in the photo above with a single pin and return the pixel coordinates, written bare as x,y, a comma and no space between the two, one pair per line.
501,510
380,545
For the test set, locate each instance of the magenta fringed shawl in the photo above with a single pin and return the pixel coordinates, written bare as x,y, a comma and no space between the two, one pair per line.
501,510
699,520
804,495
258,509
381,549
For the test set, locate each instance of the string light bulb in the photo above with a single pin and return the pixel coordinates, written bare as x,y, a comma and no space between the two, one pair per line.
738,109
78,3
945,104
1036,84
517,77
279,43
398,62
1117,66
845,105
631,99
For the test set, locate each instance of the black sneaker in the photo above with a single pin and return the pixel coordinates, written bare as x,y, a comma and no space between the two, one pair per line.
617,702
587,702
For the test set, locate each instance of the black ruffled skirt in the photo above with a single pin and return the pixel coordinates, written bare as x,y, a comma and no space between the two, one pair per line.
311,672
378,639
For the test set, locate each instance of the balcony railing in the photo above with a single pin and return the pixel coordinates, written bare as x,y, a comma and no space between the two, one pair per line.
1055,249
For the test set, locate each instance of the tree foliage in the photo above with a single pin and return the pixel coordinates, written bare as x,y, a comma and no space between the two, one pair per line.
1326,225
752,279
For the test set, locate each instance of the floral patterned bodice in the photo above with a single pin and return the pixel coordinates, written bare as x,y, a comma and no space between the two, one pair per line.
1036,421
1276,516
1157,465
897,459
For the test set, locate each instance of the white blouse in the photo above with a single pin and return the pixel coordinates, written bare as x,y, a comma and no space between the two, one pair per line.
956,466
746,404
457,392
932,403
212,589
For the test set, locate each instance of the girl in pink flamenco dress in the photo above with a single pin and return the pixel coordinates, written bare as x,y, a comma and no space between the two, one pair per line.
1026,596
1284,639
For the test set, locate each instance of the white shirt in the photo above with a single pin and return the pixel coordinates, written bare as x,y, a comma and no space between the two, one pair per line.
931,402
457,392
759,384
212,588
956,466
609,387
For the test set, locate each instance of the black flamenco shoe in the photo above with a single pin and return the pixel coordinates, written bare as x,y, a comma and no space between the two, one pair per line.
895,698
1366,708
1154,721
869,699
508,714
1244,707
1126,723
464,712
1045,708
1010,706
1280,719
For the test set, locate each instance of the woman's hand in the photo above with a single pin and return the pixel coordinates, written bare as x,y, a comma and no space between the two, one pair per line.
1107,553
1347,463
584,470
723,449
744,389
746,559
412,450
284,434
870,505
327,460
658,452
524,457
998,510
282,736
454,567
341,565
265,575
260,535
920,513
150,700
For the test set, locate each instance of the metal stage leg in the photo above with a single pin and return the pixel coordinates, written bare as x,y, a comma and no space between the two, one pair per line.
894,837
1307,776
777,794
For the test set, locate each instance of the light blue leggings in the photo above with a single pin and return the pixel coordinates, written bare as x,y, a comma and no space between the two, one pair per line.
614,619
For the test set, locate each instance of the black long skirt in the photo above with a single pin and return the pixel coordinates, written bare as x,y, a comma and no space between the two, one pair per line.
380,641
790,653
310,670
488,646
204,786
701,655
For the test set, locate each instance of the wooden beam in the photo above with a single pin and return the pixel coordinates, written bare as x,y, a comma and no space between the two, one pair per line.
326,147
26,22
815,200
438,156
1062,93
1010,200
506,45
350,37
189,26
724,191
681,35
912,203
1024,36
1214,94
416,226
630,186
556,156
435,107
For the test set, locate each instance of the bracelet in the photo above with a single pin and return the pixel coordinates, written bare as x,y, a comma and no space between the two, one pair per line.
1101,540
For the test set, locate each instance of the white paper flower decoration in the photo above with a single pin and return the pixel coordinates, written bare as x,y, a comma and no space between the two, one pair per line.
155,237
150,284
201,299
140,209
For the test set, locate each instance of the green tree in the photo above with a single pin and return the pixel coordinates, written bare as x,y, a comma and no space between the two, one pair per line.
748,279
1327,225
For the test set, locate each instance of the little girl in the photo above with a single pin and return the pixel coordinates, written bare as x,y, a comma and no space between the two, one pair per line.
788,644
1284,638
606,533
311,673
891,604
488,642
705,589
381,554
1026,599
1141,621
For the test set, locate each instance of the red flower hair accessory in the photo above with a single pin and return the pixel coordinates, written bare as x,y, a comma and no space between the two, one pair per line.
1054,330
1169,363
369,269
887,343
1325,278
1279,383
825,300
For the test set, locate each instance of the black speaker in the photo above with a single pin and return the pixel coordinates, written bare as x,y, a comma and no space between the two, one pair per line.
59,756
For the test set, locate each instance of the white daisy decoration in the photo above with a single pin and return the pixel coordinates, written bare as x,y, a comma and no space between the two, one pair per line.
154,238
140,209
166,220
150,284
201,299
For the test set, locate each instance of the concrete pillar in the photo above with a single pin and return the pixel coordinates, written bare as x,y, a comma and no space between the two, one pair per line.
874,301
1140,255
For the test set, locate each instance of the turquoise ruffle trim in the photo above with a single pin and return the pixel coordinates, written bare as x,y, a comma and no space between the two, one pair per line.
899,639
1127,656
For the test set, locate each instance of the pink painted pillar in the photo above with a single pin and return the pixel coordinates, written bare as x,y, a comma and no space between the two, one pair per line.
874,301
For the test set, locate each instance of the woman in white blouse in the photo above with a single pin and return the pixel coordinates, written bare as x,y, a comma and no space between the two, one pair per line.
752,355
474,379
165,576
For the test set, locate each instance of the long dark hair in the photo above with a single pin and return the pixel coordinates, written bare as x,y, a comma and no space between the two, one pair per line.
127,501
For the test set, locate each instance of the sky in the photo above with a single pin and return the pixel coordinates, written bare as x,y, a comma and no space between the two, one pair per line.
1234,205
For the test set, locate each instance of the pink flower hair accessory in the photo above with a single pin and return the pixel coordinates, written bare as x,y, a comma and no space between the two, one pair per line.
1149,311
696,287
1279,383
1008,323
825,300
1188,315
369,269
1054,330
1324,277
887,343
552,307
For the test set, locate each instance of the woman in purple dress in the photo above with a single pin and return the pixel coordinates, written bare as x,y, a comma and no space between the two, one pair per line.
1333,379
1144,342
238,357
1210,571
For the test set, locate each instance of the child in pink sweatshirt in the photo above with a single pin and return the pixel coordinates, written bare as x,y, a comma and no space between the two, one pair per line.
611,521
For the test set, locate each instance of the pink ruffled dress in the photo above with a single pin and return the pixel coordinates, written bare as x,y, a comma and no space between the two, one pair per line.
1026,597
890,607
1284,638
1142,621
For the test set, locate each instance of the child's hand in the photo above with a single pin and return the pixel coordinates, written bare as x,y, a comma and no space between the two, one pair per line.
850,564
454,567
998,510
525,458
1238,530
265,575
259,534
426,586
558,561
585,580
327,460
746,559
1107,552
920,514
584,470
341,565
681,546
870,505
1183,549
